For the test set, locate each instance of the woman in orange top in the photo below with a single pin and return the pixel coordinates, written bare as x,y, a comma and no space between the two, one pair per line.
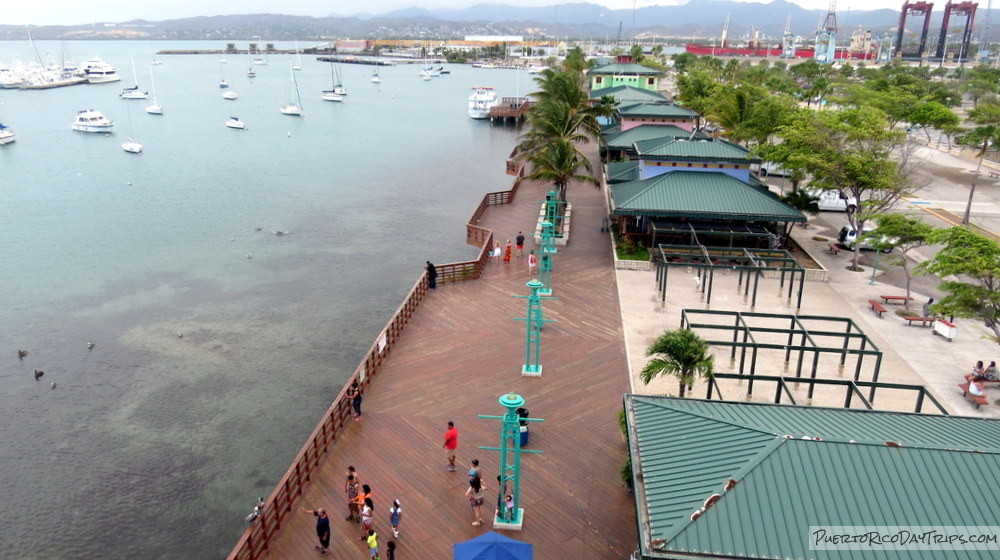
506,254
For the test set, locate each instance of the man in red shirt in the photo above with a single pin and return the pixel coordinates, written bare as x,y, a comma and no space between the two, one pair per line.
451,444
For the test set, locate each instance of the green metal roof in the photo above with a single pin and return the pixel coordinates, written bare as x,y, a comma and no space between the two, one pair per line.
701,150
685,450
623,140
656,110
624,68
620,171
630,95
699,195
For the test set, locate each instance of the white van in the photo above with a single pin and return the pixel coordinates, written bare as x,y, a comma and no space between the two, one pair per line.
834,201
848,236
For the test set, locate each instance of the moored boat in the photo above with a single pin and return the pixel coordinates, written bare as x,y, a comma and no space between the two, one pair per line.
99,72
132,147
90,120
6,134
235,122
230,95
481,100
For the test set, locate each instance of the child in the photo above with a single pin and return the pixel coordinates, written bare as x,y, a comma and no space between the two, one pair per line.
391,548
367,511
395,515
532,262
372,539
508,504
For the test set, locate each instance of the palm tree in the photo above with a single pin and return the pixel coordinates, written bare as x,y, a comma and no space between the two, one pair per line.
681,353
560,162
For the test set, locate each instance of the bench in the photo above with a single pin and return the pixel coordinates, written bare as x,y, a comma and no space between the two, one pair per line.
978,399
877,307
900,299
924,321
834,249
969,377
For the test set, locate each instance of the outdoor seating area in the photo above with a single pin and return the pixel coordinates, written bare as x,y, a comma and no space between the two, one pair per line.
876,307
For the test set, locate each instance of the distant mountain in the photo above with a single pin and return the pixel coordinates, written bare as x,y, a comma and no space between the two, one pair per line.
698,19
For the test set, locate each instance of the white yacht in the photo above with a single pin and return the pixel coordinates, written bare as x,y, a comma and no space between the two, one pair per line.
133,93
230,95
92,121
132,147
100,72
481,101
6,134
235,122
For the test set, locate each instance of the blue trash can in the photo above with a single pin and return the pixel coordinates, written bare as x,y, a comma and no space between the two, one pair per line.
524,436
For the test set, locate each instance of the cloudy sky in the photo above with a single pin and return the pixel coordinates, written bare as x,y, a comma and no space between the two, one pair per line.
67,12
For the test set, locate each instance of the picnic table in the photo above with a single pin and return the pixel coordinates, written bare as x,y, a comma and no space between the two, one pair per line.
897,299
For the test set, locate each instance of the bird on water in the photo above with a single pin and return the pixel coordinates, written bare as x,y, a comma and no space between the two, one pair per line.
90,346
21,354
38,374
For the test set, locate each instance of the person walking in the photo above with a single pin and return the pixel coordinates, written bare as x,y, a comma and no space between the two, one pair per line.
432,276
532,262
390,550
351,489
395,516
474,470
519,240
506,253
354,393
322,529
451,444
475,495
497,251
927,308
367,513
372,538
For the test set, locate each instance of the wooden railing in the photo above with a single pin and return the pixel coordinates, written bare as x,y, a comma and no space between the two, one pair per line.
256,539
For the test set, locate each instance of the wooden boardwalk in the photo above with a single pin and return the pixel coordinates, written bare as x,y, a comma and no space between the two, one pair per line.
460,352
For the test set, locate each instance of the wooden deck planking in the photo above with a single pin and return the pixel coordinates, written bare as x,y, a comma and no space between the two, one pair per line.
460,352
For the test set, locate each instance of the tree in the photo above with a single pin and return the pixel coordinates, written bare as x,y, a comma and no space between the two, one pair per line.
932,113
904,233
681,353
802,201
976,260
852,151
987,134
560,162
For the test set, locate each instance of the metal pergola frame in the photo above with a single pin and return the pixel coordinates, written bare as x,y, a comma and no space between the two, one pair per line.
853,342
852,389
752,262
693,228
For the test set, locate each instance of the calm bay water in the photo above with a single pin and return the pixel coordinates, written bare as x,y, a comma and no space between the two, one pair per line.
155,446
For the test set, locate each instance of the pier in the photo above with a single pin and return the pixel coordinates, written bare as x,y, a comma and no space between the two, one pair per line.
510,110
448,355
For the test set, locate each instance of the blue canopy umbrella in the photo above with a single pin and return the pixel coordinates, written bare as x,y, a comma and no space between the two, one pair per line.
493,546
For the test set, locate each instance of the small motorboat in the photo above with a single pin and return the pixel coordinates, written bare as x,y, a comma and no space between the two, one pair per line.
223,84
92,121
332,95
235,122
230,95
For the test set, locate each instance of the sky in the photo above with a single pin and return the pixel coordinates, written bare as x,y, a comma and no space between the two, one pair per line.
74,12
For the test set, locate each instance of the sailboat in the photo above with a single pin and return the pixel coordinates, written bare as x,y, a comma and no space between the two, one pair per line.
375,78
295,107
336,91
133,92
131,146
6,134
298,57
153,108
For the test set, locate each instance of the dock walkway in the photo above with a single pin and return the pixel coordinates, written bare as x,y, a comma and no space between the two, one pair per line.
461,351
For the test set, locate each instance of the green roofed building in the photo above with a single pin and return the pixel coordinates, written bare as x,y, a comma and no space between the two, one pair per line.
624,72
638,114
619,143
697,195
629,95
718,479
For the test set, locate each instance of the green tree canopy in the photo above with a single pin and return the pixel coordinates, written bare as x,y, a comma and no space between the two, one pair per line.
681,353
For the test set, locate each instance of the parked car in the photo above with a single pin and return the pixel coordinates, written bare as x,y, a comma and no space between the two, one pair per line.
834,201
848,236
771,168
